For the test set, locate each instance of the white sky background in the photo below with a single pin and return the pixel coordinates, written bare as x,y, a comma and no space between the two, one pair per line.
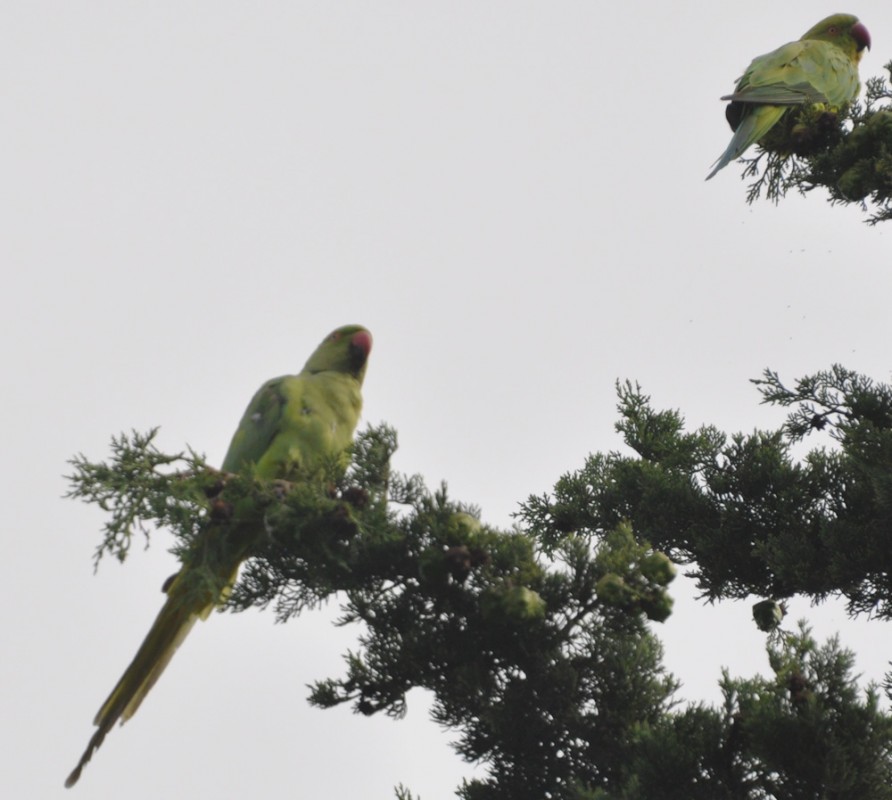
511,197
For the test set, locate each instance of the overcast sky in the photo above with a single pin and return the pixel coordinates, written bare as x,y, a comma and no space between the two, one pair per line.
510,196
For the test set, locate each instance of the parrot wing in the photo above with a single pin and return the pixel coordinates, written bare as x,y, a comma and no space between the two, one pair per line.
258,426
779,94
800,72
789,76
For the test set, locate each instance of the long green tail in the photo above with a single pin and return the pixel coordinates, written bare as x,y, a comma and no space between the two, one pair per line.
183,607
753,126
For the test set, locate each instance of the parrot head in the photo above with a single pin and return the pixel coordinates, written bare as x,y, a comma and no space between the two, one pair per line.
343,350
845,32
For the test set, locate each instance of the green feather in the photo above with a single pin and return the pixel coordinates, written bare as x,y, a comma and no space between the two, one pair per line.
821,67
294,426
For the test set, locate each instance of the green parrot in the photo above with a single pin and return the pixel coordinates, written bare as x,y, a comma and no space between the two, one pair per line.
822,67
293,426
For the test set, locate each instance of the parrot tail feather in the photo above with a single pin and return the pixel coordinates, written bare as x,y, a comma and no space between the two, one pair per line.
95,740
752,126
170,628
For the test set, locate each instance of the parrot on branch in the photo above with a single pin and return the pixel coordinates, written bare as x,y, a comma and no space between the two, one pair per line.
294,426
819,68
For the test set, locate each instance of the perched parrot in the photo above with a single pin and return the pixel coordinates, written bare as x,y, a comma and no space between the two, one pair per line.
822,67
294,425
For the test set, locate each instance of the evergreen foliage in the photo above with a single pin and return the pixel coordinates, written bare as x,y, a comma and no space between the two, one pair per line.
536,643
